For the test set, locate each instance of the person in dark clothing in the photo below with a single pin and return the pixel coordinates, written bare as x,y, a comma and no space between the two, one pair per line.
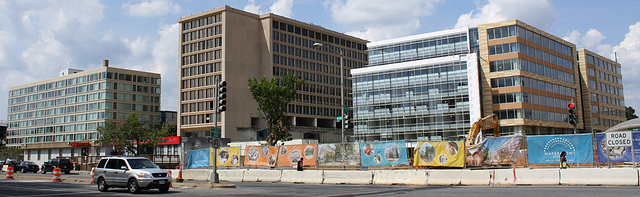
300,164
563,160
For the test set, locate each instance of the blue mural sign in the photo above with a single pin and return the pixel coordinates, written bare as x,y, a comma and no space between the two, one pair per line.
384,153
198,158
547,149
618,154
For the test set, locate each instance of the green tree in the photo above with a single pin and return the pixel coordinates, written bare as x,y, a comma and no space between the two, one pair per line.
631,113
15,154
273,96
132,135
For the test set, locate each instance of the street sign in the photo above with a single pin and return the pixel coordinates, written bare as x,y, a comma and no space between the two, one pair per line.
216,142
338,119
346,108
618,139
215,132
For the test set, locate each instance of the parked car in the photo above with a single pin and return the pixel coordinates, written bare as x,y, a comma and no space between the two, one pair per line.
27,166
64,164
133,173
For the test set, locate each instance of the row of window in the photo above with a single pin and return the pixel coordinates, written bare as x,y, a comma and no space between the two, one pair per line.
421,49
58,102
316,111
520,64
58,84
58,93
608,111
308,44
605,122
58,120
609,77
201,69
202,57
533,114
531,52
513,30
310,77
58,111
523,97
418,123
606,88
317,35
133,78
54,138
317,67
202,45
604,64
202,33
532,83
202,22
307,54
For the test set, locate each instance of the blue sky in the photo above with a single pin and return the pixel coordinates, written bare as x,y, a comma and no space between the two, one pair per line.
40,37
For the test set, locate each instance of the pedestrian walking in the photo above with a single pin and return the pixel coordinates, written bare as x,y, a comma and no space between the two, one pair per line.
300,164
563,160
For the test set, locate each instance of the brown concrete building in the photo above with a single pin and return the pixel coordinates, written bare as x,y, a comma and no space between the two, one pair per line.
233,45
59,117
528,78
601,82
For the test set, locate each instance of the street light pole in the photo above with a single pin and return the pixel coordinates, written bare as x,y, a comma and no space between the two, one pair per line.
340,52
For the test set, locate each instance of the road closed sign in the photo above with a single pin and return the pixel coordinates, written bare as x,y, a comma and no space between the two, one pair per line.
617,139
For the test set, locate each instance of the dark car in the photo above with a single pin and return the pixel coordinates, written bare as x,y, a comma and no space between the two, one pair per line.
27,166
64,164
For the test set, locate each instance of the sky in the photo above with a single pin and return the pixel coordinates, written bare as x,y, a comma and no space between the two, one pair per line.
38,38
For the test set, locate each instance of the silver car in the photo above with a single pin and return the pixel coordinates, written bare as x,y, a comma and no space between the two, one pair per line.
133,173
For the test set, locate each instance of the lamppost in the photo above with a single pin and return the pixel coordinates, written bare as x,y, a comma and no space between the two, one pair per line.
340,52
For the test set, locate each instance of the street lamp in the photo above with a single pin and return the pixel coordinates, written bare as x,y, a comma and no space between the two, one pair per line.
340,52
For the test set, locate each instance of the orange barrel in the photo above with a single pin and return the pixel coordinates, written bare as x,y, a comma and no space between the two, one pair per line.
9,172
57,175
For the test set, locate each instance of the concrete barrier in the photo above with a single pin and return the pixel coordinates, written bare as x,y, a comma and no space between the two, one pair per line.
390,177
525,176
599,176
347,177
307,176
174,173
235,175
196,174
459,177
258,175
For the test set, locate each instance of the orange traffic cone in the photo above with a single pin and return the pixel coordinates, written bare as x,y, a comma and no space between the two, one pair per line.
57,175
179,179
9,172
93,173
170,177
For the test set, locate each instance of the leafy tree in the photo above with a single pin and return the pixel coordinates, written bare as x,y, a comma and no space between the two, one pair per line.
132,135
15,154
273,96
631,113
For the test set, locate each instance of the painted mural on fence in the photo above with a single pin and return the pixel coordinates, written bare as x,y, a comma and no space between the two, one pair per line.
260,156
618,154
290,154
198,158
227,156
439,153
494,151
339,154
547,149
384,153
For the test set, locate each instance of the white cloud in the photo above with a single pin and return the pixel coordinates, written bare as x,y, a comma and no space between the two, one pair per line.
538,13
253,8
380,19
151,8
165,62
592,41
282,8
628,52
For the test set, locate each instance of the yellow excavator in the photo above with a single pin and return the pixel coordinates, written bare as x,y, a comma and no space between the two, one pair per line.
482,125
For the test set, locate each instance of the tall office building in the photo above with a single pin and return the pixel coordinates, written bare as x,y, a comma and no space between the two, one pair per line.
226,44
602,93
415,87
60,116
418,87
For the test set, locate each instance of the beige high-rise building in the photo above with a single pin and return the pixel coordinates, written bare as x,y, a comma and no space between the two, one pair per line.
601,82
529,78
233,45
59,117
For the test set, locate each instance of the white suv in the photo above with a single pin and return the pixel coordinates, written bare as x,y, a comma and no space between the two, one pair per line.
133,173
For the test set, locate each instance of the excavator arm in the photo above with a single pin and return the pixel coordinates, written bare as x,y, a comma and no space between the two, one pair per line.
483,125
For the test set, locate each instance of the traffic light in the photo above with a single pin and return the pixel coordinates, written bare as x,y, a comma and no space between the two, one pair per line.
572,114
222,96
347,121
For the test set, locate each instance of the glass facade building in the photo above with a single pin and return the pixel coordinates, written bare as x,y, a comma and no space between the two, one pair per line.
419,87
